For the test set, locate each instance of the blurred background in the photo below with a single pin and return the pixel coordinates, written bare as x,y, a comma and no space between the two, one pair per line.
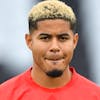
15,57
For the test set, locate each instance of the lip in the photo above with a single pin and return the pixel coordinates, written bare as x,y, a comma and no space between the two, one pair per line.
54,59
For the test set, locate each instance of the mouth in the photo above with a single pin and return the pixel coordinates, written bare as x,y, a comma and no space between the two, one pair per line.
55,60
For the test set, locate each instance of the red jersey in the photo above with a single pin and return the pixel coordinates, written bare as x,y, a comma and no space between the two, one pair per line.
22,87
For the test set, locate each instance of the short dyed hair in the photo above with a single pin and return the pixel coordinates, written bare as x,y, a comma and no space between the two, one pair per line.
51,9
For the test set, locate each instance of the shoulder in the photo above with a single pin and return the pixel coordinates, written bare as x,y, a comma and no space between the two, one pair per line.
86,82
8,88
9,84
83,81
84,85
88,86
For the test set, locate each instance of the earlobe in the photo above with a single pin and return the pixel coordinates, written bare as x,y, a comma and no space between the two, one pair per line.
28,39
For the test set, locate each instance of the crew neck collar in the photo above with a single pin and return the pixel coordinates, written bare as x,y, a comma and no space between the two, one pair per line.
34,84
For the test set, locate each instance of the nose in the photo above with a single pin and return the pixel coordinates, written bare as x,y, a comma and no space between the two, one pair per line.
54,46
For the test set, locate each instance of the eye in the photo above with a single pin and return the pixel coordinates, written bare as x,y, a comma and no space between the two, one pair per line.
63,38
44,37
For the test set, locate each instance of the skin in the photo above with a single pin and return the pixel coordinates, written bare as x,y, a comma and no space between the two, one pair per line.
52,46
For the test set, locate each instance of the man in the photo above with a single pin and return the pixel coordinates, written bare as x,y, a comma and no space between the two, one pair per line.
52,40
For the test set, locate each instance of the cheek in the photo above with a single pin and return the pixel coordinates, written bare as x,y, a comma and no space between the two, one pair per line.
68,50
37,54
39,50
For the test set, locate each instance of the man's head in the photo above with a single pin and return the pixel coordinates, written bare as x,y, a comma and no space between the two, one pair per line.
51,9
52,39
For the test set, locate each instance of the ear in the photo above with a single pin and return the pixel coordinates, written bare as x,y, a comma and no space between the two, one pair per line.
28,38
76,37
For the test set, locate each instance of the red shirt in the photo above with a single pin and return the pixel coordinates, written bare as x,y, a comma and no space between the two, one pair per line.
22,87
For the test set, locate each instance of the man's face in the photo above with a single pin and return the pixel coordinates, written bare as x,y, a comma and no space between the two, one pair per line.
52,46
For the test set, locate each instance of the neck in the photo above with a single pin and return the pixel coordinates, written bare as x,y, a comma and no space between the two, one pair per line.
45,81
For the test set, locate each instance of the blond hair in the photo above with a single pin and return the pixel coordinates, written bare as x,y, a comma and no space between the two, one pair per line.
51,9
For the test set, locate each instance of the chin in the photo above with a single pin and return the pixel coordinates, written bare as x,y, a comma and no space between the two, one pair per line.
54,73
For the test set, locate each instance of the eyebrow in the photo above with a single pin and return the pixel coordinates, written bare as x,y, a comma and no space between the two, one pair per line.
41,34
44,33
58,35
64,34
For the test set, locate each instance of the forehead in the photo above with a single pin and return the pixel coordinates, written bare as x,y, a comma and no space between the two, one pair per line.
53,24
